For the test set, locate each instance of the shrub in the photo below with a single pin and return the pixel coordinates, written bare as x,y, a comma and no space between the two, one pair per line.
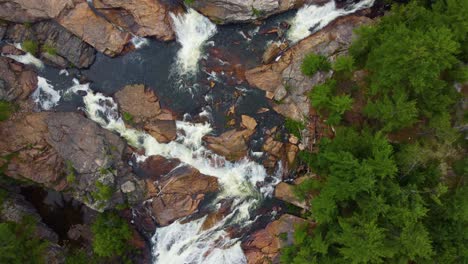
49,49
6,109
30,46
111,234
344,65
294,127
313,63
127,117
103,193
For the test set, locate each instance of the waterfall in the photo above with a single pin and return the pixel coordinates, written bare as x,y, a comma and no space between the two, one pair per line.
45,96
312,18
192,31
139,42
187,242
27,58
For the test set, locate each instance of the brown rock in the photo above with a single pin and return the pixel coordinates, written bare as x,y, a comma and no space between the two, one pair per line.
32,10
32,157
248,122
147,108
155,167
95,30
142,17
264,245
285,192
164,131
180,193
273,147
16,82
291,152
231,144
270,53
331,41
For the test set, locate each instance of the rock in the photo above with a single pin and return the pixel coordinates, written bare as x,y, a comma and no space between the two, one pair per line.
78,53
16,81
284,192
32,157
234,11
155,167
264,245
128,187
22,11
231,144
146,110
180,193
291,152
331,41
3,29
273,147
164,131
248,122
270,53
95,30
54,60
95,155
141,17
77,232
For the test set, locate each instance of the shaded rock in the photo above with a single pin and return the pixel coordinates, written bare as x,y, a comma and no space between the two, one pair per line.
331,41
180,193
94,30
164,131
16,81
146,110
32,10
231,144
264,245
54,60
141,17
232,11
31,157
3,29
248,122
65,44
79,231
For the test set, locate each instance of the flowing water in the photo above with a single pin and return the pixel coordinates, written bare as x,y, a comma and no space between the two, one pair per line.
198,76
312,18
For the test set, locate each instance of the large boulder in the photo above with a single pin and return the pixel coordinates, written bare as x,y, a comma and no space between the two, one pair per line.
95,30
284,80
26,153
95,154
234,11
264,246
231,144
147,108
141,17
17,82
32,10
179,193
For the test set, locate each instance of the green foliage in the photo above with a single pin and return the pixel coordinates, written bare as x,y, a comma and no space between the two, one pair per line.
344,65
256,12
127,117
6,109
189,2
111,234
49,49
294,127
104,192
30,46
412,55
313,63
19,245
323,97
78,257
71,176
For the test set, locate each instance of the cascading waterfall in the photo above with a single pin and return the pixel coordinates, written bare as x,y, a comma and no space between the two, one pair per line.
192,31
312,18
188,243
45,96
26,58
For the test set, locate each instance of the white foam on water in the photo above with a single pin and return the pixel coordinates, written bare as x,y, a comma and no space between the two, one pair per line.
45,96
27,58
192,32
188,243
139,42
311,18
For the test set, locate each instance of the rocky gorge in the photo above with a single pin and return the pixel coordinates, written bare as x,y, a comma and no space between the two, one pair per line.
199,164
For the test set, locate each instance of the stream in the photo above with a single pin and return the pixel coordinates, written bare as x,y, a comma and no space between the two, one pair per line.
198,75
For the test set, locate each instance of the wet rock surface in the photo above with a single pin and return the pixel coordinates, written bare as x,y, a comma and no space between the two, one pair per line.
284,78
179,193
